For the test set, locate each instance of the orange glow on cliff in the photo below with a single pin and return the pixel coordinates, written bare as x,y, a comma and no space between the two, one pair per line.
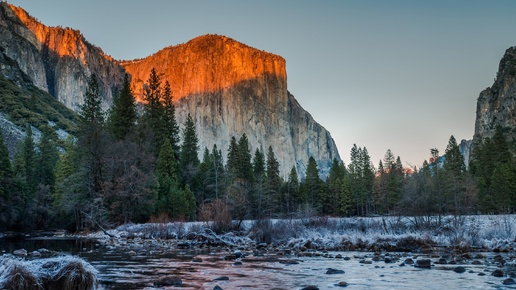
208,63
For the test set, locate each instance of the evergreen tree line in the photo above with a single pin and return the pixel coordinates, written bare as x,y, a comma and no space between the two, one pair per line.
125,166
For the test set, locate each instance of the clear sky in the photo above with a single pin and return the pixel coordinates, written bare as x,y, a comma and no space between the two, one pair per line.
399,75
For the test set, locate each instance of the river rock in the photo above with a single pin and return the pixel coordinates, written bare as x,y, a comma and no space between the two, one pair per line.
237,263
310,287
334,271
442,261
217,288
169,281
481,274
20,252
498,273
223,278
459,270
409,261
342,284
476,262
423,263
509,281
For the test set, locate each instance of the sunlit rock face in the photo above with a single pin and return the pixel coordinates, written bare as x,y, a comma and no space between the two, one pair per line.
58,60
496,106
229,89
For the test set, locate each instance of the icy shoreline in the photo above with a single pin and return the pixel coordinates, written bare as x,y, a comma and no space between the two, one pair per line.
401,234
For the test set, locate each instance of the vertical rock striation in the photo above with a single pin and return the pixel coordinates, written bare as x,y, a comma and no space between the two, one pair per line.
496,106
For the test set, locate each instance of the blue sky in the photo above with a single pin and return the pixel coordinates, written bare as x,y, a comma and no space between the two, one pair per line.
399,75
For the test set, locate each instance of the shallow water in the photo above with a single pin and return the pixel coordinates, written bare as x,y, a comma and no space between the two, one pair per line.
138,269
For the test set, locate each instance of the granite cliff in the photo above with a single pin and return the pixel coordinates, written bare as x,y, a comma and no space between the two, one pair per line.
228,87
496,106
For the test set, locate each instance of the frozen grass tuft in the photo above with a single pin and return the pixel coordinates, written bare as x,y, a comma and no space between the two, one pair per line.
63,273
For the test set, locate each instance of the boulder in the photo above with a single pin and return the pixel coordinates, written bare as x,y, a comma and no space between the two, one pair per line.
334,271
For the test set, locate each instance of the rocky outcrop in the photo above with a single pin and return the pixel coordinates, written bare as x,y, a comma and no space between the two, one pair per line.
496,106
230,89
57,60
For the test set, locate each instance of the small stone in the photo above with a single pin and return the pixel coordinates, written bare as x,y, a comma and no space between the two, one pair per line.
131,253
288,262
509,281
498,273
217,288
237,254
347,258
476,262
197,260
409,261
442,261
169,281
20,252
237,263
331,271
388,260
223,278
481,274
310,287
459,270
338,256
423,263
342,284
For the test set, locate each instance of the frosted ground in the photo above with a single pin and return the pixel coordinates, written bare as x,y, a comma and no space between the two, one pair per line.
468,233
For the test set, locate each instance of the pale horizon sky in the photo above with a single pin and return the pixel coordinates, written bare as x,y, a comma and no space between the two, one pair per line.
400,75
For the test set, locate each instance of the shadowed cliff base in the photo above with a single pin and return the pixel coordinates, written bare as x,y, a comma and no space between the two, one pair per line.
268,118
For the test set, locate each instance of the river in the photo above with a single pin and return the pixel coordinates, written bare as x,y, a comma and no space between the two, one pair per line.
124,268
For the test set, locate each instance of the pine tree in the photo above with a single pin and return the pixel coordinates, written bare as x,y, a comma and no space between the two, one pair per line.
90,208
154,112
47,158
233,156
189,160
274,182
292,191
245,169
259,191
312,184
169,116
455,175
123,115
